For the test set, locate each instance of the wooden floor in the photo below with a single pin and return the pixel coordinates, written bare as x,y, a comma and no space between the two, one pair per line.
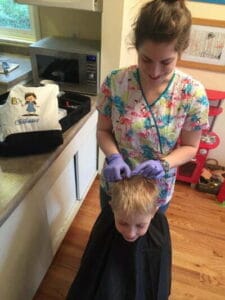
197,225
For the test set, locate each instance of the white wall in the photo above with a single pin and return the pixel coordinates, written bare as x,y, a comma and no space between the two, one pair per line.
128,53
112,18
206,10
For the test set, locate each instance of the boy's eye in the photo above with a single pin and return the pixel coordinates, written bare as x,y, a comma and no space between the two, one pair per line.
146,59
123,224
166,62
140,226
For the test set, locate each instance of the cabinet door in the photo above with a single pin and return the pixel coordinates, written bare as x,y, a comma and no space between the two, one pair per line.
61,203
25,249
86,164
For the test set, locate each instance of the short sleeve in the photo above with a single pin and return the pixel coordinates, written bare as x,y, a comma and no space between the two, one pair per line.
104,102
197,117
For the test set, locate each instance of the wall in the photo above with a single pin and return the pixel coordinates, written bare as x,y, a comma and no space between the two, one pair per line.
131,10
111,35
207,10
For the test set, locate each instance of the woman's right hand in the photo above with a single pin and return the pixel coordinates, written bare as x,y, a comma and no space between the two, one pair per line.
116,169
150,169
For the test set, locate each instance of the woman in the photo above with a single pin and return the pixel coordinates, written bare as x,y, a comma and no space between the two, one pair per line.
151,115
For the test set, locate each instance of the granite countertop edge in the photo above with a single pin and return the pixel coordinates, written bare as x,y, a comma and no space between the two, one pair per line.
45,164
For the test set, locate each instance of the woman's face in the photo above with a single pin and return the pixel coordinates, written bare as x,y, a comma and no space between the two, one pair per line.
157,62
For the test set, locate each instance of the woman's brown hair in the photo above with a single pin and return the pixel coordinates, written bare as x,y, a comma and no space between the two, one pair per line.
164,21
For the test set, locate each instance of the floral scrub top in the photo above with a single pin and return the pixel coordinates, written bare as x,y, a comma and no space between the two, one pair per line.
150,131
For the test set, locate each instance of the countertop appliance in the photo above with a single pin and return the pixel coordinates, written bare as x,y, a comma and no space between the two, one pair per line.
74,64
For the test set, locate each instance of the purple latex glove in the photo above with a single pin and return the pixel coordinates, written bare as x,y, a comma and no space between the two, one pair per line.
150,169
116,169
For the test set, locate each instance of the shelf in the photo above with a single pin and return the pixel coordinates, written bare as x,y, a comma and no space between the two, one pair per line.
215,95
215,111
221,194
209,140
191,171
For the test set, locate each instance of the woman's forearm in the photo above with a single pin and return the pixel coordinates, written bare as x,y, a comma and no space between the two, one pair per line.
187,150
181,155
106,142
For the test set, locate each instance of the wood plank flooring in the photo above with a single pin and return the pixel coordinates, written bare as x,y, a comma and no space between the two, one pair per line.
197,225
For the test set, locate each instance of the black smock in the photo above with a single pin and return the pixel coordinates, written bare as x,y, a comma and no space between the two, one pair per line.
114,269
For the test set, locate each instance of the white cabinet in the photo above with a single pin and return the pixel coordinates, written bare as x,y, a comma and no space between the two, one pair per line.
60,200
86,163
31,235
25,249
74,172
65,184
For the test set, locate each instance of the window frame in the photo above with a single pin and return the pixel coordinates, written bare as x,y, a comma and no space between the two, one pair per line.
23,36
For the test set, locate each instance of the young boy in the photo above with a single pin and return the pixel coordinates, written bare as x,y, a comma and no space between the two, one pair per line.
134,205
128,255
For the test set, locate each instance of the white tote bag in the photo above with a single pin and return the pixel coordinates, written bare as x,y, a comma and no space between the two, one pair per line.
29,120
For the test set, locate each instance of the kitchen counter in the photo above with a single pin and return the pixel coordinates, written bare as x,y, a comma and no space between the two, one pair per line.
22,74
19,174
40,196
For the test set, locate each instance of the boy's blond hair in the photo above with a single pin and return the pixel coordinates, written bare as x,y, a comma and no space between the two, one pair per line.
134,195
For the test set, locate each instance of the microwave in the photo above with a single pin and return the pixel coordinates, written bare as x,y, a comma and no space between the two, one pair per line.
72,63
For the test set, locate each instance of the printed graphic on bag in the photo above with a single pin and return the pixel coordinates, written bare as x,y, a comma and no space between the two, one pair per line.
30,102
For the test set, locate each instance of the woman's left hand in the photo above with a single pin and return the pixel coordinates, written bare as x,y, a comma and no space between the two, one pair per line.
150,169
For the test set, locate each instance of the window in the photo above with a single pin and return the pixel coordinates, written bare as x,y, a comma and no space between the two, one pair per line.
18,22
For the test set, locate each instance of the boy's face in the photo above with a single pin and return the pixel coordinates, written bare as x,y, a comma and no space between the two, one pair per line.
132,226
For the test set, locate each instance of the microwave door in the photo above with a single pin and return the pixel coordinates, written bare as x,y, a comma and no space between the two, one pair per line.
62,70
